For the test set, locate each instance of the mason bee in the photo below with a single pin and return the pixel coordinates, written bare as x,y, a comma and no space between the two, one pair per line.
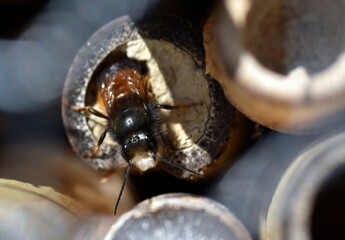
132,117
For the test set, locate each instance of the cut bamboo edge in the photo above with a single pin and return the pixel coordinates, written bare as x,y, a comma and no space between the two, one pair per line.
43,213
21,192
281,63
308,202
172,51
38,212
172,216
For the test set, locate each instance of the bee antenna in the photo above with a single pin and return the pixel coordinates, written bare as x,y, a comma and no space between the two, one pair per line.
122,187
169,162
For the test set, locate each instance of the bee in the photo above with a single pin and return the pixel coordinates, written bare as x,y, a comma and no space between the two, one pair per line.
132,117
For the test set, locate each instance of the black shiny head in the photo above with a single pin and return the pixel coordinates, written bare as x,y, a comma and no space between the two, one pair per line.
135,127
138,142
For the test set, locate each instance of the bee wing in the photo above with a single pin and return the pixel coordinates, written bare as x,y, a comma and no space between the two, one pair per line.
107,88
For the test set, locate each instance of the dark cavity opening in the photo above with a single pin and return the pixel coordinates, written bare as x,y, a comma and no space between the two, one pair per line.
284,35
328,215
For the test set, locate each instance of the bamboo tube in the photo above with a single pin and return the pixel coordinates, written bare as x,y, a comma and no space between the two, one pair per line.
170,216
29,212
309,200
171,50
280,62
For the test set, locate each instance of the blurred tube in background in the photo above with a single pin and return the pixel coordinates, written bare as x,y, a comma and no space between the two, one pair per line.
309,200
29,212
169,217
34,66
247,188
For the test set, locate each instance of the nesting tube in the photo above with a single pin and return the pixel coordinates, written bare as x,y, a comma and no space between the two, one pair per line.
171,216
280,62
309,200
37,212
171,51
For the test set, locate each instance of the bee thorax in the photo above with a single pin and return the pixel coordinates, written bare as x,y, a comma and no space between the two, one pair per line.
144,161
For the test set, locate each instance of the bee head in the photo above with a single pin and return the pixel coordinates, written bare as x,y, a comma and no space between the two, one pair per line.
138,148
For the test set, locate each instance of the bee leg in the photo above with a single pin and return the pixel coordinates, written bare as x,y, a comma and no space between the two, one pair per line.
90,110
99,143
178,106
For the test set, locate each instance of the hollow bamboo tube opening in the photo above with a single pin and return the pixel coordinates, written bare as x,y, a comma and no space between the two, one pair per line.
308,202
286,56
328,214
